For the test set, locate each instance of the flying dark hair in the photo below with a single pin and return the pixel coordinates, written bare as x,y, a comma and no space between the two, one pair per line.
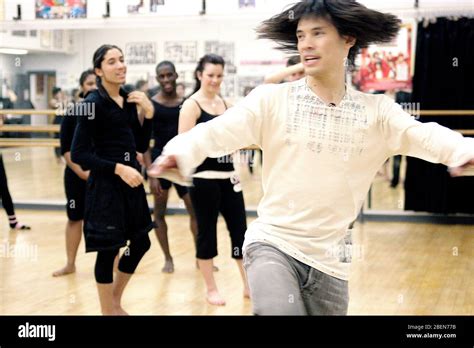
97,59
84,76
207,59
293,60
348,16
165,63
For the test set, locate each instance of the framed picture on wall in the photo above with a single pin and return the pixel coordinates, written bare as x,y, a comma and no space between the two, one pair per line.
155,5
225,49
246,83
140,53
386,67
246,3
181,51
58,39
135,6
60,9
228,86
45,38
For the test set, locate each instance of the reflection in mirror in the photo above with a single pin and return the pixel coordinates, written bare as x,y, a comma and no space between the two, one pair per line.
35,175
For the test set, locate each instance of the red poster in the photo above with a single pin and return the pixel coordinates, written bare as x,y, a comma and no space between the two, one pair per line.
61,9
386,67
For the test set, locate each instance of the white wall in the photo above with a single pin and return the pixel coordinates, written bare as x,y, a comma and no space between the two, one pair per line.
67,66
247,48
224,22
27,9
9,66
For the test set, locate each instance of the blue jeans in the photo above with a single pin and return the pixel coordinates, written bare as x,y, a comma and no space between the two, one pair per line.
282,285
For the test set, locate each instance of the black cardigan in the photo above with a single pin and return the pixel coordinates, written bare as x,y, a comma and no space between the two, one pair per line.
107,134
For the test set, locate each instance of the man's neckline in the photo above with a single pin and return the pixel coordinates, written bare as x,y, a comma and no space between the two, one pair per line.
315,95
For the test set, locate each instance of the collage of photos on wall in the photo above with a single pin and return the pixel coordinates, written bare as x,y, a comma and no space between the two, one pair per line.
61,9
386,67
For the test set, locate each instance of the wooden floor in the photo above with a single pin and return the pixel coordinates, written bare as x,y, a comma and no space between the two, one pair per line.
397,269
27,286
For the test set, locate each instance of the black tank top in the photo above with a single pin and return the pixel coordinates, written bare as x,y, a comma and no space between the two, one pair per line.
220,164
165,125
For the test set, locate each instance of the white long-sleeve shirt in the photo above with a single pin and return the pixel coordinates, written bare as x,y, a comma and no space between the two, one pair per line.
318,162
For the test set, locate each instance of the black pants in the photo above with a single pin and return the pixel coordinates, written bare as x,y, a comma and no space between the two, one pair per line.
4,192
397,160
209,197
104,264
75,189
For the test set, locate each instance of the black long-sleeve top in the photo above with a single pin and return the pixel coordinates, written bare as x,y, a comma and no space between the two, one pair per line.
68,126
107,134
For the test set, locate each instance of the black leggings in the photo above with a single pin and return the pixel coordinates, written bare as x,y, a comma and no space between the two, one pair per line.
209,197
104,264
4,192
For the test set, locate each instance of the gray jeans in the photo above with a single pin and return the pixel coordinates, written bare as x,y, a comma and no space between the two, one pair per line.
282,285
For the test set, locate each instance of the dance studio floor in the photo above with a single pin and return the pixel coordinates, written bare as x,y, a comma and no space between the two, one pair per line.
397,269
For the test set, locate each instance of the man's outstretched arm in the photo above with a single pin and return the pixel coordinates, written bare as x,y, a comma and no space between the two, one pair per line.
428,141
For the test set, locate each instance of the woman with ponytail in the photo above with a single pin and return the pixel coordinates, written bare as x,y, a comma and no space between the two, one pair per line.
116,126
216,188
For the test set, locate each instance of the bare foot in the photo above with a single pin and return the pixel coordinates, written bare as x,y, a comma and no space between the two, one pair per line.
64,271
214,268
214,298
168,267
120,311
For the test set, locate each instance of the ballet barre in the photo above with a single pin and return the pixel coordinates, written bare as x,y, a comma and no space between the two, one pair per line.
446,112
21,142
31,112
54,128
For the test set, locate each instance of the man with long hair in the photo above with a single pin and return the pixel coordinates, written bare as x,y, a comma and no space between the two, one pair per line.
323,143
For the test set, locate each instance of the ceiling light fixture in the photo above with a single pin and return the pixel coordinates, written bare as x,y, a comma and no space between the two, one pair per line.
15,51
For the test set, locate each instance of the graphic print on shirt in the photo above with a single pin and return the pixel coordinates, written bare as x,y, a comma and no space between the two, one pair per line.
335,130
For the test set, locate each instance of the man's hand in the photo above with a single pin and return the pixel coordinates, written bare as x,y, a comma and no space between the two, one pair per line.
162,164
459,171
